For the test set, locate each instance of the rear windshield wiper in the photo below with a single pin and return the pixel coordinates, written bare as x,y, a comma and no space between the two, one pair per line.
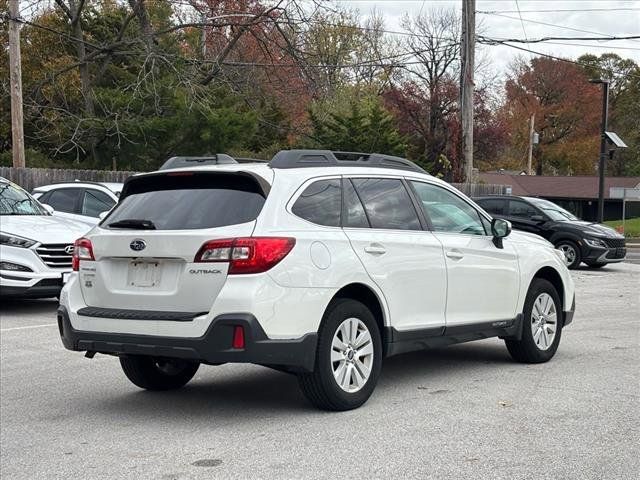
133,223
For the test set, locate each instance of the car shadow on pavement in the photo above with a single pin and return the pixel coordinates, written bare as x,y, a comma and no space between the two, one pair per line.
14,305
255,392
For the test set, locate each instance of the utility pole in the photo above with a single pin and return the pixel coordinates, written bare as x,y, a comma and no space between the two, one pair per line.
603,145
467,54
15,74
530,153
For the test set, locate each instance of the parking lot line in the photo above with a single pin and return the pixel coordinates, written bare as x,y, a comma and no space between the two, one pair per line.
28,327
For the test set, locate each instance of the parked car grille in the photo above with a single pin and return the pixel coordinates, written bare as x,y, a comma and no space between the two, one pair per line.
615,242
54,255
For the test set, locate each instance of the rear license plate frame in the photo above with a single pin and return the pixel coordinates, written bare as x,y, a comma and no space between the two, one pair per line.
143,273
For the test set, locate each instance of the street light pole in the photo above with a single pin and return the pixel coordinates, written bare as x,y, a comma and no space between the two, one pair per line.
603,145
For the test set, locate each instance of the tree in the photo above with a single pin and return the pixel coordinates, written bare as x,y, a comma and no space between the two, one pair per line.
624,106
567,112
360,124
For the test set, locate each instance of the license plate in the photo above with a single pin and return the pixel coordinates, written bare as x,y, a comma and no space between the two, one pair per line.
65,277
144,274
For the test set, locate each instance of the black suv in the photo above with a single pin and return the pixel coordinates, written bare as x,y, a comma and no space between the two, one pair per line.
591,243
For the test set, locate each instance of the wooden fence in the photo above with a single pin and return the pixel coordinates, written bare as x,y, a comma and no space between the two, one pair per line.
30,178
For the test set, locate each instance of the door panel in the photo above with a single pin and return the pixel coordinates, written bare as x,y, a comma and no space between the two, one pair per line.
482,279
410,270
405,261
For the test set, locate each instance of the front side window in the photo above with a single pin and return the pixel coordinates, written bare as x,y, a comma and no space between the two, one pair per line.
387,203
448,212
320,203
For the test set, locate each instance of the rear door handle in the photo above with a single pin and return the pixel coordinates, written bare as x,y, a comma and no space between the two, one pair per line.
455,255
375,248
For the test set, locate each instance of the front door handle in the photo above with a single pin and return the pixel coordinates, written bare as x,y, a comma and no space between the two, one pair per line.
455,255
375,248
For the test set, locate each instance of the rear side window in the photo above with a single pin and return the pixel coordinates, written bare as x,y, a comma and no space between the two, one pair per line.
354,214
494,206
190,201
320,203
95,202
64,200
387,203
518,208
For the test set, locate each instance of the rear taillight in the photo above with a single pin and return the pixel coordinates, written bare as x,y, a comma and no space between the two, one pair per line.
82,250
246,255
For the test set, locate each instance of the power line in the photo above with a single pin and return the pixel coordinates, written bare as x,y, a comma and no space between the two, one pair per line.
608,47
552,39
492,12
554,57
553,25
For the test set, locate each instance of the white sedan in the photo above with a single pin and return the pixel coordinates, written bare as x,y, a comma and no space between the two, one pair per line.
82,201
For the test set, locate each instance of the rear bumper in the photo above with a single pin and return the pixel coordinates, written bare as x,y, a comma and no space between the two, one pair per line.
214,347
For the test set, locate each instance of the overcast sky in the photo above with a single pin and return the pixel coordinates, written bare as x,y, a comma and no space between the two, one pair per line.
624,21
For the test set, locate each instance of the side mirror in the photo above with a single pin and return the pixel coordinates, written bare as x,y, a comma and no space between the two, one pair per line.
48,208
500,228
537,218
102,215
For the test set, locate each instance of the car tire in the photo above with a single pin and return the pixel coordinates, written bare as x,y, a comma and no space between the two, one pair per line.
153,373
571,252
541,325
349,346
596,265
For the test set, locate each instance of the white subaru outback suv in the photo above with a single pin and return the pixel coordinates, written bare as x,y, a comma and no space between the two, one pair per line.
319,263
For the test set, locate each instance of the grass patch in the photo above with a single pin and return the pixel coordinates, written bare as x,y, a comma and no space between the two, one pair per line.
631,227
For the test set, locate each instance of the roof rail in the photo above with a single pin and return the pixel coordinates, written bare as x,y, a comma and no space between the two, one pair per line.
326,158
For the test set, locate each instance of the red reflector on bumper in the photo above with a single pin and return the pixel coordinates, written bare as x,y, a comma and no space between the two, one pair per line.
238,337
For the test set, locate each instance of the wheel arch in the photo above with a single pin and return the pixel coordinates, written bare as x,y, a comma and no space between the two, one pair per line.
369,297
552,276
560,236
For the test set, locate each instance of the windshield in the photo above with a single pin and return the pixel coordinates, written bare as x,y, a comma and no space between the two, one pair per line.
555,212
15,201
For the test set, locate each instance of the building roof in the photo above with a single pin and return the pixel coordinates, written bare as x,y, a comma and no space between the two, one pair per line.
558,187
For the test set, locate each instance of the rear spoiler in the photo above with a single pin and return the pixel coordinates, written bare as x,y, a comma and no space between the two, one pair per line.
132,183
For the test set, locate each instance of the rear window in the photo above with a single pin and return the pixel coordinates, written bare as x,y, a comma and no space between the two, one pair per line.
189,201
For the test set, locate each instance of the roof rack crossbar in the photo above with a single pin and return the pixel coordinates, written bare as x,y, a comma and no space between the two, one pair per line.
324,158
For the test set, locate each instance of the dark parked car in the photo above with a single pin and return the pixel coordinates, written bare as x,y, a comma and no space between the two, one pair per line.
591,243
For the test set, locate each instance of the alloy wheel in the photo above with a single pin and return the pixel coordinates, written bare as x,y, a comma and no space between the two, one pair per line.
569,253
544,321
352,355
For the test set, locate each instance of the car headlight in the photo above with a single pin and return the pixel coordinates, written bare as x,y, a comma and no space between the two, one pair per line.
16,241
595,242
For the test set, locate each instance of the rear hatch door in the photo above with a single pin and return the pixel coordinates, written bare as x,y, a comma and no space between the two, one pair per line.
145,249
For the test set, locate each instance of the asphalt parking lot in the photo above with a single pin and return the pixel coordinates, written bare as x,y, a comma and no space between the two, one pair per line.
465,411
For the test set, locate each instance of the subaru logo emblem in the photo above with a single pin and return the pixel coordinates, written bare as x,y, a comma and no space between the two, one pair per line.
137,245
68,249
